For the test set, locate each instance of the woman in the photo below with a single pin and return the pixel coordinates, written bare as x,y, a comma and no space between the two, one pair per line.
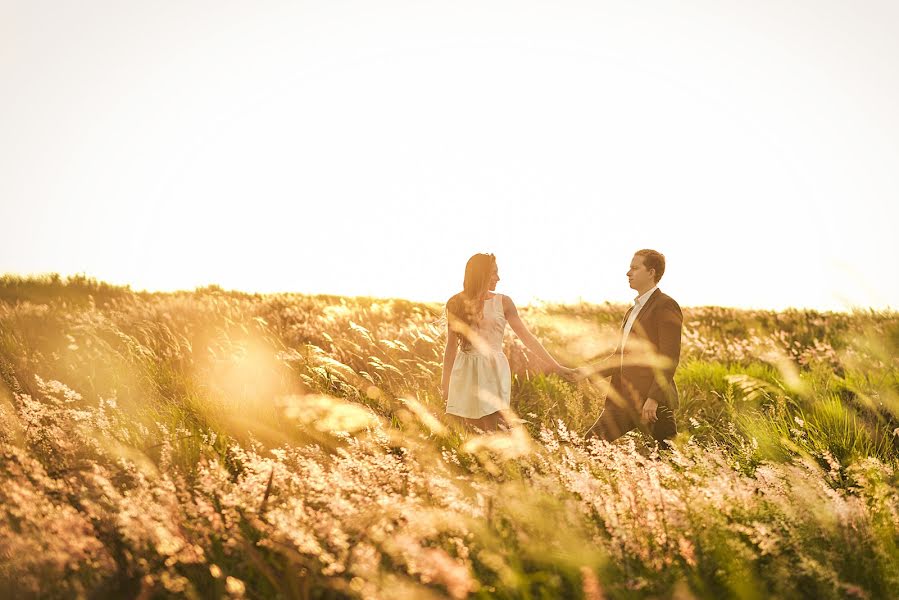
476,377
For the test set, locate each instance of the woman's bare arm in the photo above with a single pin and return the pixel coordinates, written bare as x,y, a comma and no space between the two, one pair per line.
449,357
526,337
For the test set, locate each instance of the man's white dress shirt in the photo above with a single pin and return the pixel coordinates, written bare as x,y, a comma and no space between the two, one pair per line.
639,303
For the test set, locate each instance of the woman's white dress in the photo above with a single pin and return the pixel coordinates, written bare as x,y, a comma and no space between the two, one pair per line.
481,381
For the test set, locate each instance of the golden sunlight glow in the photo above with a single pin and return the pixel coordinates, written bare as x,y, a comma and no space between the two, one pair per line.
370,149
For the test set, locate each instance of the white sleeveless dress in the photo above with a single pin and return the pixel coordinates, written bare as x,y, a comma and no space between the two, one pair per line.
481,381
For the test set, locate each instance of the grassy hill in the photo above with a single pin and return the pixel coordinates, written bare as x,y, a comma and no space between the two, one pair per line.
214,444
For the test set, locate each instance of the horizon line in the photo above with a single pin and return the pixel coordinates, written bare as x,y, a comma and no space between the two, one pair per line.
531,301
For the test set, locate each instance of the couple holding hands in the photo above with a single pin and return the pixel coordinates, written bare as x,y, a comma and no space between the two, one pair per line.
477,380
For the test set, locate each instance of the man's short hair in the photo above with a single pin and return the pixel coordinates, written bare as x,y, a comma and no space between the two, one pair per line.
653,259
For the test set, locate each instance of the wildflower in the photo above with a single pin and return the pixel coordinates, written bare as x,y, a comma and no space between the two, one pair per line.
591,587
687,551
426,418
328,414
513,444
235,586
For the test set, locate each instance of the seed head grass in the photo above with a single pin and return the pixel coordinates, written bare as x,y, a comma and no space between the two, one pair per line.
215,444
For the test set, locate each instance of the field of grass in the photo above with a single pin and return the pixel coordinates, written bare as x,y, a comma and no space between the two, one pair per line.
215,444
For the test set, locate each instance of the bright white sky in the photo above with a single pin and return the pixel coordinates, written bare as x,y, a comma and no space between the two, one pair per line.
370,147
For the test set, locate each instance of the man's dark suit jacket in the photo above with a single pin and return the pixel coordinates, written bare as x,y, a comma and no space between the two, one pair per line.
657,331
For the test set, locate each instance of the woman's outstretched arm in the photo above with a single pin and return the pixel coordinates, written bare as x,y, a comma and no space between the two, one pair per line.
527,338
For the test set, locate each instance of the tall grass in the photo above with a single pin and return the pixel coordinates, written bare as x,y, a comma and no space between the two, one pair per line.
212,444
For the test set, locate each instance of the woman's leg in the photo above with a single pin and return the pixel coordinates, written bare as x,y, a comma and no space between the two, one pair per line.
456,422
466,423
489,422
492,421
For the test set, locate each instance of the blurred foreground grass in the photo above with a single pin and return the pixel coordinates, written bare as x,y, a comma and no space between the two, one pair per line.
218,444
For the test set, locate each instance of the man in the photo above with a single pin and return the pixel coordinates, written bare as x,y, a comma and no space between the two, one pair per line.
642,392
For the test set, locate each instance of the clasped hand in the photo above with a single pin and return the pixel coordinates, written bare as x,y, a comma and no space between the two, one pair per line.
574,375
570,375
